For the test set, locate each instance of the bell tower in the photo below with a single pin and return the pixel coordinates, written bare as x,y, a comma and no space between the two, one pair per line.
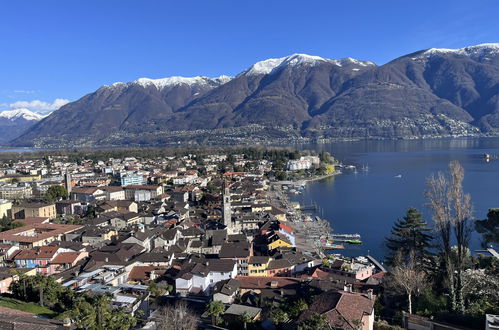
227,212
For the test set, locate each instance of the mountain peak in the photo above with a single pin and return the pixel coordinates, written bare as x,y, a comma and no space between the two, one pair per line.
174,81
21,113
477,52
267,66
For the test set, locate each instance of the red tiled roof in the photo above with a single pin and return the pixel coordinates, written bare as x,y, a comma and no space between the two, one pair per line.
139,273
33,220
44,252
66,257
44,231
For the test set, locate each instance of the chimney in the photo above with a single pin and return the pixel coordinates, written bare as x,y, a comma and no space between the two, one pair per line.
348,288
370,294
106,260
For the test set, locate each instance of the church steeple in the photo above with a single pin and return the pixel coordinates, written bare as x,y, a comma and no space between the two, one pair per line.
227,212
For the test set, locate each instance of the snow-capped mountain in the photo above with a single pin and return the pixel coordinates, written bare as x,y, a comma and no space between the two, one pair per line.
21,114
297,60
482,52
432,92
176,81
15,122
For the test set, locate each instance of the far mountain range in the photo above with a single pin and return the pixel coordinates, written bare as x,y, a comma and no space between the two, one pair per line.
429,93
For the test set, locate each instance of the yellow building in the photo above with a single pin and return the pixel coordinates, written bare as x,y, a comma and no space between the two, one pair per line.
5,207
21,178
34,210
279,241
257,265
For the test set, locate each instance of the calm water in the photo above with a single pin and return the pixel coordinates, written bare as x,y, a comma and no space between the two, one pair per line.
369,202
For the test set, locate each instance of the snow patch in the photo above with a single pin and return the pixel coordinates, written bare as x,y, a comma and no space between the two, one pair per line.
268,66
25,114
478,52
174,81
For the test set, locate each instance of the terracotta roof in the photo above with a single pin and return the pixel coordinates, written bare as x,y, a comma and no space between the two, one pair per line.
43,231
343,309
66,257
33,220
141,273
44,252
84,190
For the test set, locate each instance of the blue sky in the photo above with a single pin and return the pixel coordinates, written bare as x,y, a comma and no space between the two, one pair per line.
64,49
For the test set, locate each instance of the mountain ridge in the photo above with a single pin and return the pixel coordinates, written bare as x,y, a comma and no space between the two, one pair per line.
428,93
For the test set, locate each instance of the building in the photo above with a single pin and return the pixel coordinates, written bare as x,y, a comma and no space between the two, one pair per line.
257,265
34,210
304,163
5,207
114,193
132,179
36,234
13,192
140,193
344,310
87,194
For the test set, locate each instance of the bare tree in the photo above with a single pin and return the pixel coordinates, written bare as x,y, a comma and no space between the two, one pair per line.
176,317
452,213
407,276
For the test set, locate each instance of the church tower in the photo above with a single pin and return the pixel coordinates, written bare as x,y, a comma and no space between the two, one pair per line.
67,182
227,212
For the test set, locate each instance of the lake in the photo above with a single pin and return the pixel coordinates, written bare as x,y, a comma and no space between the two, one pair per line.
369,202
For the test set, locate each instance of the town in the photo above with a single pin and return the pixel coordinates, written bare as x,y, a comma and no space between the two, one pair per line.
213,234
177,241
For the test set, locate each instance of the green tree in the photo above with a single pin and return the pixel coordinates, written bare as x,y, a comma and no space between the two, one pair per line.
278,316
245,319
411,233
315,322
489,228
215,309
55,193
296,308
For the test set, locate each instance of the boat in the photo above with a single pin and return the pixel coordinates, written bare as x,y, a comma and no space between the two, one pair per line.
398,176
354,241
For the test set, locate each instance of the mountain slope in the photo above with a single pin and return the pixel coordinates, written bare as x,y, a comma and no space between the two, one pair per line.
15,122
429,93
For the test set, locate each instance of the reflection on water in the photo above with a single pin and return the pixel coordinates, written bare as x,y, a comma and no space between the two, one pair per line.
369,202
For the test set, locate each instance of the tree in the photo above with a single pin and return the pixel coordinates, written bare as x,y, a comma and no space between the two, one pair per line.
315,322
410,233
55,193
178,316
215,309
407,276
245,319
452,212
278,316
489,228
296,307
